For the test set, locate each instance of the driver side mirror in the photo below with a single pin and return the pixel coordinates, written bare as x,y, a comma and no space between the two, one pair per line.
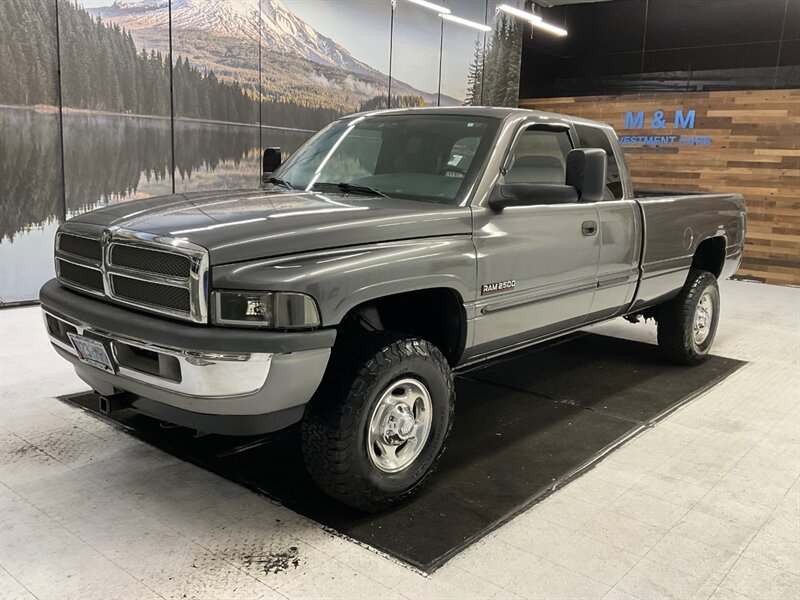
272,160
586,172
585,182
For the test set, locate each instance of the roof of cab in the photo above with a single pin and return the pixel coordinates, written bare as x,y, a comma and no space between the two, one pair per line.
498,112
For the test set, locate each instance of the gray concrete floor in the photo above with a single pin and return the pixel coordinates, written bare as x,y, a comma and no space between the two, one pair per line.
704,505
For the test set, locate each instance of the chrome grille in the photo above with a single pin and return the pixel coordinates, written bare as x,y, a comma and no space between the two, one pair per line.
80,275
150,261
154,273
153,294
81,246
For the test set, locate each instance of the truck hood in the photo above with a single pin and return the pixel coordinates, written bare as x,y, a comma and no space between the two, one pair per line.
252,224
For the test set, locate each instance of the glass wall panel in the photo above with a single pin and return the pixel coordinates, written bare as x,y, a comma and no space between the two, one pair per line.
216,86
462,54
416,44
318,64
116,101
503,53
31,182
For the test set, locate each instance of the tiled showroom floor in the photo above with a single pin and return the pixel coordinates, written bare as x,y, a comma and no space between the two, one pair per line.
704,505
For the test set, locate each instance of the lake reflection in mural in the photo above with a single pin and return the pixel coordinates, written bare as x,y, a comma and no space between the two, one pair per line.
108,159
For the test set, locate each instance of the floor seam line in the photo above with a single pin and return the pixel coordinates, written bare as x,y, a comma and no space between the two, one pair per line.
22,585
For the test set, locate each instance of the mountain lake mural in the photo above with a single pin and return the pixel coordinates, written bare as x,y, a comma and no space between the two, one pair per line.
245,74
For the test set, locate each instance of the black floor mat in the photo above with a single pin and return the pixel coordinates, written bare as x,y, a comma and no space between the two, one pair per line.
523,426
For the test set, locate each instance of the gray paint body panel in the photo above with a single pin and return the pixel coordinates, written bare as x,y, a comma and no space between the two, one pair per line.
253,224
342,279
345,250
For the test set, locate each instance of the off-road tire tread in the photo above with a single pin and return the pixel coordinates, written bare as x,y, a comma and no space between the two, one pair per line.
675,315
328,436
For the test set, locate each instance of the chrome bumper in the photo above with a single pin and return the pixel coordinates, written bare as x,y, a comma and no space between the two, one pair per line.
175,370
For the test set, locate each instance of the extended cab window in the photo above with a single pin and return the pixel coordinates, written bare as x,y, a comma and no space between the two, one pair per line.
594,137
427,157
539,157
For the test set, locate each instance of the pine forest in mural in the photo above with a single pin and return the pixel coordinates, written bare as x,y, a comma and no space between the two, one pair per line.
493,78
246,74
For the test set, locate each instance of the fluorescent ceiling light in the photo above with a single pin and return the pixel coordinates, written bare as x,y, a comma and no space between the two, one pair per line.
467,22
438,8
520,13
534,20
551,28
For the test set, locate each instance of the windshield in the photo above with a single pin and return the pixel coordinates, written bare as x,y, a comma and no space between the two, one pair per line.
426,157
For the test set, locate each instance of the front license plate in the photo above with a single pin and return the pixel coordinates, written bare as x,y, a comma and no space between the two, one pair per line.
91,352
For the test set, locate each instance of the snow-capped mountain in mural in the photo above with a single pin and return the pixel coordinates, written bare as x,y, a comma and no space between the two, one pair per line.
281,30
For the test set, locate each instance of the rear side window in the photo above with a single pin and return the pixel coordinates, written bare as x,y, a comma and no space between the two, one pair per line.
594,137
540,157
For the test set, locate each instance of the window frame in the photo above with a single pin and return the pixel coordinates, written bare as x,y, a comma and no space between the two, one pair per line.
537,125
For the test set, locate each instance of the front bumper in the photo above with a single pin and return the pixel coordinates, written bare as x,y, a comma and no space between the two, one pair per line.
217,379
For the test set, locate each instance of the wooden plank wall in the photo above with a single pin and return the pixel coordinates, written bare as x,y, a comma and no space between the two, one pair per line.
755,150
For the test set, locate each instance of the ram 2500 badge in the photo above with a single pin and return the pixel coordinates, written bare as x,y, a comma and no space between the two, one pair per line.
393,249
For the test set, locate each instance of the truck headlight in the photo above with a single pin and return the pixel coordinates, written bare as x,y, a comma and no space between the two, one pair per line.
275,310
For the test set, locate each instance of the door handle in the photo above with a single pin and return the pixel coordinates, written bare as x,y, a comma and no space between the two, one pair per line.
589,228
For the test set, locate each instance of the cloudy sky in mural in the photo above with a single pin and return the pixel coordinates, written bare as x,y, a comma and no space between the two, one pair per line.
417,29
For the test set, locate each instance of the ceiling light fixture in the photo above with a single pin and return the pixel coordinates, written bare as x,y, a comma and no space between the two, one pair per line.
534,20
554,29
467,22
520,13
430,5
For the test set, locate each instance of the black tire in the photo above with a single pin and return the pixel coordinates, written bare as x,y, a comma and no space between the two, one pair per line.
676,320
334,428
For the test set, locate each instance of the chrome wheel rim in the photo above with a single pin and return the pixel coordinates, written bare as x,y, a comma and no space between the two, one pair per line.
399,425
703,315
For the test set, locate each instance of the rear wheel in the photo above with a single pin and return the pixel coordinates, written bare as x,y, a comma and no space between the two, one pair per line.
378,425
687,324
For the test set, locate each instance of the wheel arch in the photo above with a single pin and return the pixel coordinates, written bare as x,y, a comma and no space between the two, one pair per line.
436,314
710,255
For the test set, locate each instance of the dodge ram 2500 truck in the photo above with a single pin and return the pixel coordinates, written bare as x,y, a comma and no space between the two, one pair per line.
393,249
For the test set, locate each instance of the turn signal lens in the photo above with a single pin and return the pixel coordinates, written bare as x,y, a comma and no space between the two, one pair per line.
275,310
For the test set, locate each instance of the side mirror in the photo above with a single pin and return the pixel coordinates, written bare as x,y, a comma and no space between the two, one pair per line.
272,160
586,172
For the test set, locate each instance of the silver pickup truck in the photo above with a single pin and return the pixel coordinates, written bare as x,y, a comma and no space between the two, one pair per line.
390,251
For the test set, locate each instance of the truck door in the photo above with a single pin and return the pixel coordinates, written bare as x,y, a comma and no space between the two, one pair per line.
537,265
620,230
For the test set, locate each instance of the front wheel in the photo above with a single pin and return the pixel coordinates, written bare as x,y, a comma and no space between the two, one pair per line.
687,324
377,427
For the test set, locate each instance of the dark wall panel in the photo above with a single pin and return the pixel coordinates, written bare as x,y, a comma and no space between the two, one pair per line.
703,23
630,46
31,190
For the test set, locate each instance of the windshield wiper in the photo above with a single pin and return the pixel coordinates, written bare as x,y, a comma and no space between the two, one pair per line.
352,188
279,181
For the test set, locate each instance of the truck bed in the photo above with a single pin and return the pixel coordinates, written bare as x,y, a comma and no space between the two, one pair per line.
675,225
